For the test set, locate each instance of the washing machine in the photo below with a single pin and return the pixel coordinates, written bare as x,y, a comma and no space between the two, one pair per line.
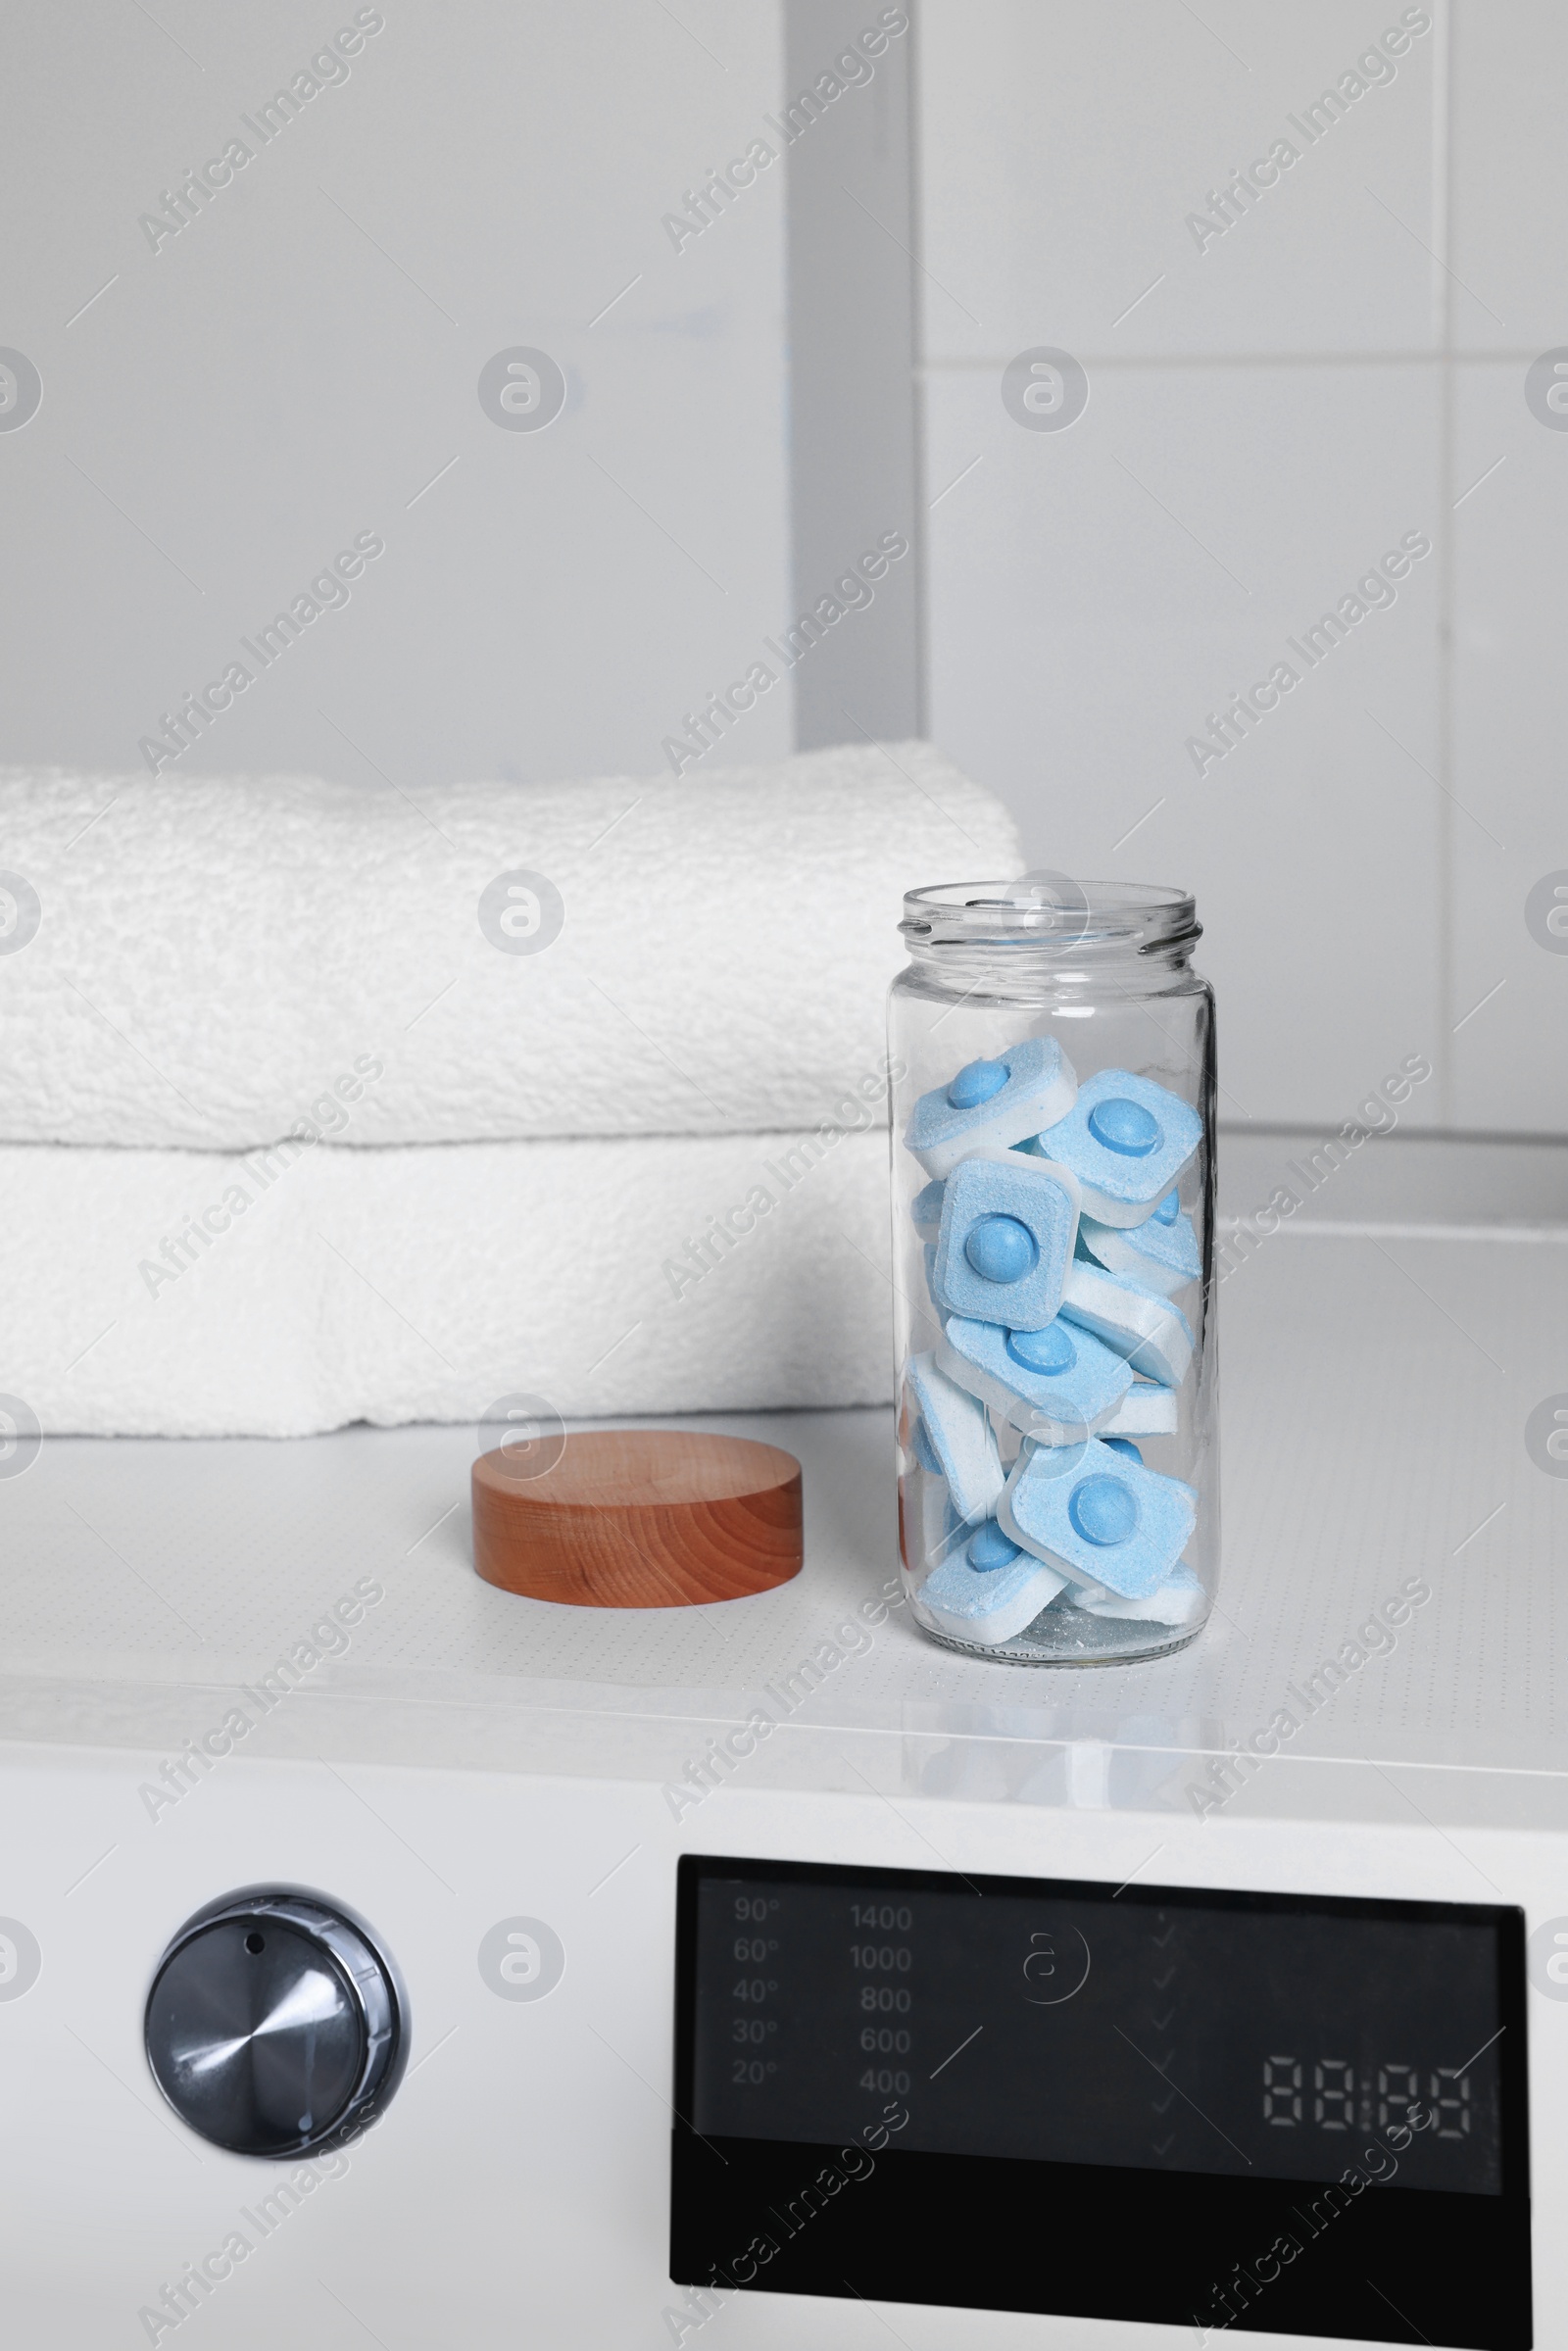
385,1959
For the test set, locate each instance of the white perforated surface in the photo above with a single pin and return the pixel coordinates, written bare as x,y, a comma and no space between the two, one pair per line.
1375,1394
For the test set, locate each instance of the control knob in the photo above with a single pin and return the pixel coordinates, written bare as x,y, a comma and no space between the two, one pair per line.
274,2025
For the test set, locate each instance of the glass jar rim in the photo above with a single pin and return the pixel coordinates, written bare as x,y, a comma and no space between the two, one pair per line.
1044,910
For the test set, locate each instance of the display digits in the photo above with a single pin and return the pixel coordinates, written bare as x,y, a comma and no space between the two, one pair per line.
756,2034
1334,2093
751,2031
1337,2097
1282,2092
889,1998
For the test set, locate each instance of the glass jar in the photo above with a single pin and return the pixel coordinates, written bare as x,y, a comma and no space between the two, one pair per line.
1052,1215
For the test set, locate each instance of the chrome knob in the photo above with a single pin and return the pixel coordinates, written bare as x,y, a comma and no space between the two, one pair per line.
273,2025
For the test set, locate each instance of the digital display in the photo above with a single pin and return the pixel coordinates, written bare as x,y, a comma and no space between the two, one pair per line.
1146,2029
1296,2114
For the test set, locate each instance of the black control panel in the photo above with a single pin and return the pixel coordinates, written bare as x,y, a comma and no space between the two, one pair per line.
1293,2114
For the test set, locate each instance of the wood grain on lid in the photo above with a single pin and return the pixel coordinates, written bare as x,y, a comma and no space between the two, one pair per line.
641,1518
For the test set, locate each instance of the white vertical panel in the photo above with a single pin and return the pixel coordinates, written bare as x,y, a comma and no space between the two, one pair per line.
847,117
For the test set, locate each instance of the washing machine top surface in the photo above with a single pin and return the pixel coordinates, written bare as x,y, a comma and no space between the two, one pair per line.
1382,1439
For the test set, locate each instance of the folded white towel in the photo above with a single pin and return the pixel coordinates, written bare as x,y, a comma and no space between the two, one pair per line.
199,1294
210,960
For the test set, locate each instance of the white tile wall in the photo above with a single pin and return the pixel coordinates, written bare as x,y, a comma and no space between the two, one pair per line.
1510,173
1346,362
300,360
1509,770
1342,366
1064,148
1096,593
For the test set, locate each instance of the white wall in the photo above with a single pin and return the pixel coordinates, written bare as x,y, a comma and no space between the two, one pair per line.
1340,366
1267,416
300,359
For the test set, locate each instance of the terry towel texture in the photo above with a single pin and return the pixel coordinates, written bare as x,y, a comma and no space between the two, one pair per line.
319,1107
428,1283
215,955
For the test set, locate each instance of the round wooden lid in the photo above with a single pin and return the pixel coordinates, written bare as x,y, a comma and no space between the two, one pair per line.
641,1518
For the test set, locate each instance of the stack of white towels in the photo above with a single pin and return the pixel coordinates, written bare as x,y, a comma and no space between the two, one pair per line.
321,1104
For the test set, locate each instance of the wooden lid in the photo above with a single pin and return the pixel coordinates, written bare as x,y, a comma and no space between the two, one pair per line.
641,1518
